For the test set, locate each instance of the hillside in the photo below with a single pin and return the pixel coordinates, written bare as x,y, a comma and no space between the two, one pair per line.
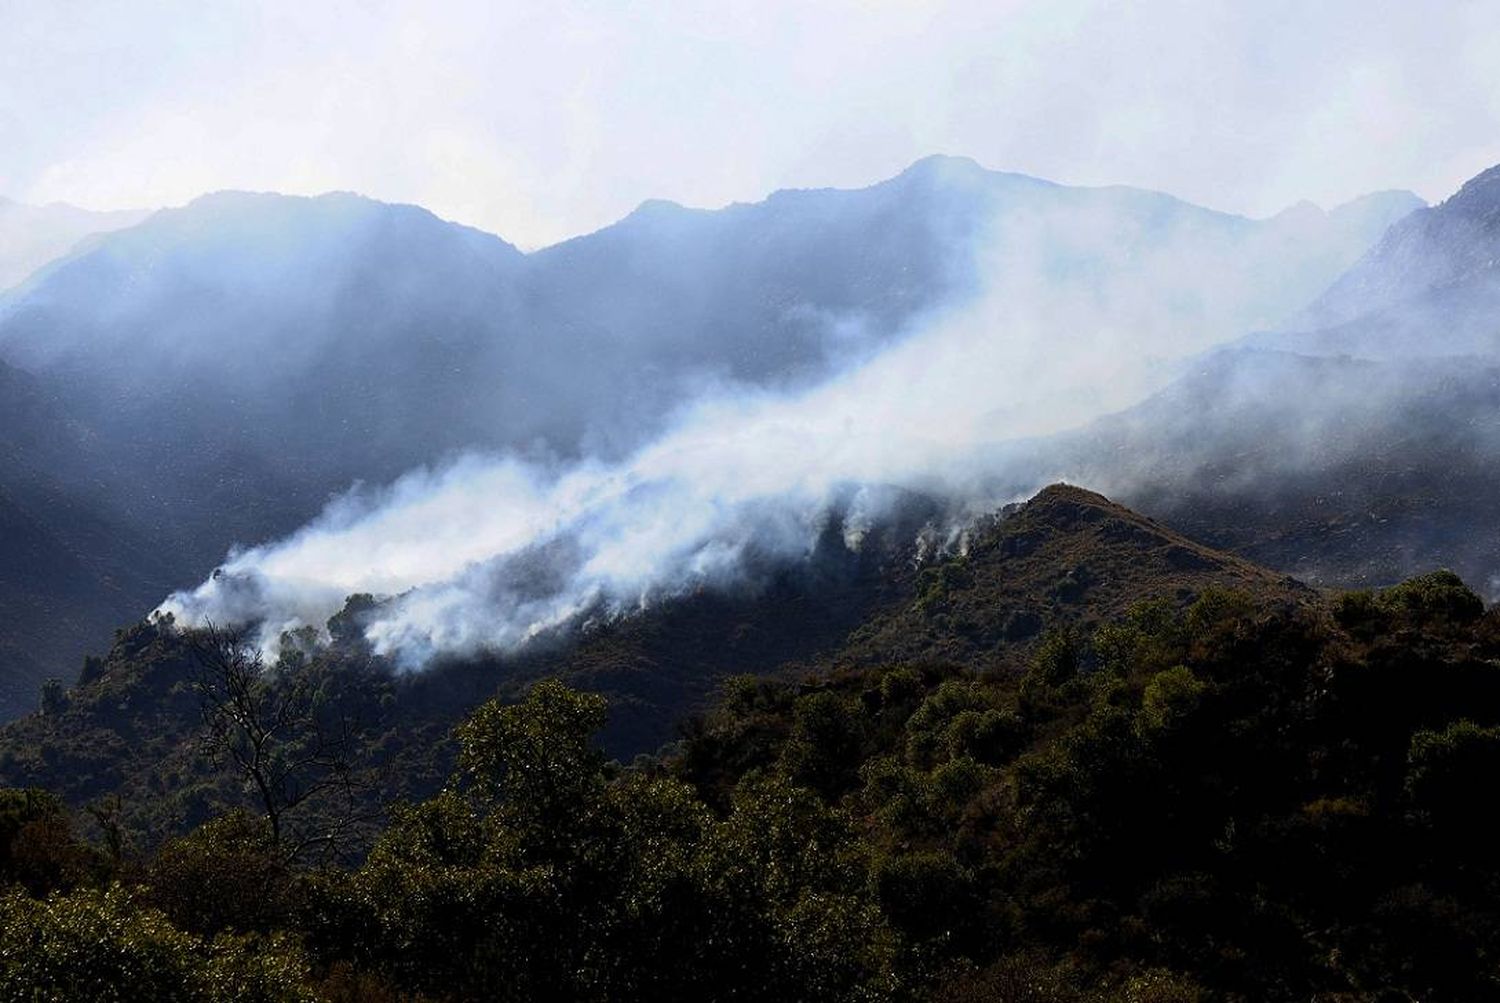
1250,791
1066,558
1244,799
1429,288
69,570
1351,455
1342,472
33,236
1448,246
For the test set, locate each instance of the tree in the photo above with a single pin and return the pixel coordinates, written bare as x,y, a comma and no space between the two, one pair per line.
39,850
54,697
106,945
270,729
537,761
224,875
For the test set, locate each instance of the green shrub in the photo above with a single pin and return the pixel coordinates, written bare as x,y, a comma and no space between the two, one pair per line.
106,946
227,874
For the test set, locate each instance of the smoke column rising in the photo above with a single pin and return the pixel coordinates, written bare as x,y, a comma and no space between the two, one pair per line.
490,551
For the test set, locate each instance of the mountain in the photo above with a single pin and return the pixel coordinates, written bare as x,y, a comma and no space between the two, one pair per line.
1350,455
68,570
1430,287
32,236
1347,473
1430,250
206,399
378,336
274,326
230,365
1067,557
810,272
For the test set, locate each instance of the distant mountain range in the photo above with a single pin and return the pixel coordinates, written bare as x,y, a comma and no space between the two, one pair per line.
211,375
1437,250
1353,453
33,236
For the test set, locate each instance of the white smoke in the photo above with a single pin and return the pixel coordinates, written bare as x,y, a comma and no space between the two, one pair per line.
1077,319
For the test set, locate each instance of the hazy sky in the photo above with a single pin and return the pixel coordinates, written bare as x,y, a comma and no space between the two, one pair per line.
542,120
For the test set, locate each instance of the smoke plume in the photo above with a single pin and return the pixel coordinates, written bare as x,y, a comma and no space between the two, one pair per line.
1077,318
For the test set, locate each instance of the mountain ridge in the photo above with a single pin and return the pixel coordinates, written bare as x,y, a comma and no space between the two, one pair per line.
230,380
33,236
1446,245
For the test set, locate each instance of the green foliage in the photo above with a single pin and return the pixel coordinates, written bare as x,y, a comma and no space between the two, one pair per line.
1189,804
935,583
990,736
39,850
1435,600
54,697
927,729
552,876
1160,985
1170,698
1440,596
1055,665
919,891
225,875
1231,800
106,946
1446,774
900,686
536,758
823,749
1150,635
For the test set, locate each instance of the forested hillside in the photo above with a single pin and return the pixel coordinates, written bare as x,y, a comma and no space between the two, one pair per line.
1185,779
1068,558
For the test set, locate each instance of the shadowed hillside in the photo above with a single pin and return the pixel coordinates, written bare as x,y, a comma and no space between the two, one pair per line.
1200,781
1067,558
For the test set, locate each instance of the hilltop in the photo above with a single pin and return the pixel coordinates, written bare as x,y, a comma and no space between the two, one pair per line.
1067,558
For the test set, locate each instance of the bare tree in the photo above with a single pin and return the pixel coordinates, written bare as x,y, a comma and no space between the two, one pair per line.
266,727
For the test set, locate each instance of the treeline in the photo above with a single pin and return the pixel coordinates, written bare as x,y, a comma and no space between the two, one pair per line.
1239,799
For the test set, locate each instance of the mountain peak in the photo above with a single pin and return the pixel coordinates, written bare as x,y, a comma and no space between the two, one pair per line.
1300,210
261,209
1452,244
236,200
1480,195
657,209
1068,555
945,163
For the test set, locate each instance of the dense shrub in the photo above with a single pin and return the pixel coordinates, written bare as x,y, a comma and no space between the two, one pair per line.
1232,800
106,946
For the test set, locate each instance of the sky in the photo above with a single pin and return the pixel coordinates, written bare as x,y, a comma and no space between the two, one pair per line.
539,121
